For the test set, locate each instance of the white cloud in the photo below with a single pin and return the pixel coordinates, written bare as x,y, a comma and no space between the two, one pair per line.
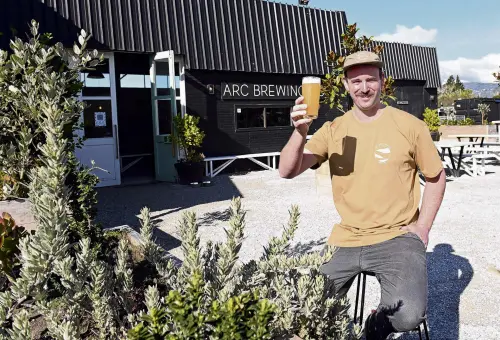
476,70
413,35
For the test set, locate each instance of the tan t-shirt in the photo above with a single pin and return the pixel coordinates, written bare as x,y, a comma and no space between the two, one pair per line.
373,166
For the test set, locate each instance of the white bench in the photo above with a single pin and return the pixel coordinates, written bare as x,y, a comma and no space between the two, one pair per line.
481,153
209,167
480,170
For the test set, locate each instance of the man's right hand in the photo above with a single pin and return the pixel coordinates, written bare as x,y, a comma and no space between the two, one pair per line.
298,111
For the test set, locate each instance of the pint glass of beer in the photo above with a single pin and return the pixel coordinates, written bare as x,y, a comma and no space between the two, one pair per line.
310,91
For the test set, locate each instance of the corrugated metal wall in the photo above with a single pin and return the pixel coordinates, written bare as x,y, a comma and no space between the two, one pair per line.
231,35
406,61
226,35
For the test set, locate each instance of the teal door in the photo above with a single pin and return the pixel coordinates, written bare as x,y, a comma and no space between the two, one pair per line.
167,101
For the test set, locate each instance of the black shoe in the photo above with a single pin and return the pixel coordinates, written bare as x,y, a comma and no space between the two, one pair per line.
377,326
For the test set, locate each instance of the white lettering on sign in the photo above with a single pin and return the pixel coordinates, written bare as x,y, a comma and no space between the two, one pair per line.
264,90
227,89
296,91
246,93
271,90
238,90
281,89
256,91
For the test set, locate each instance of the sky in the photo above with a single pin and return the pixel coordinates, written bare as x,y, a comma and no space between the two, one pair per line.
466,34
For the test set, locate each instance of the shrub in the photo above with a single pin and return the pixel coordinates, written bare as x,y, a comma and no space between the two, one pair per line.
28,74
431,118
184,316
10,236
305,305
466,121
6,184
188,136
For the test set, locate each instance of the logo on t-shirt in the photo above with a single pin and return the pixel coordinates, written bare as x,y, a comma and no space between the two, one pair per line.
382,153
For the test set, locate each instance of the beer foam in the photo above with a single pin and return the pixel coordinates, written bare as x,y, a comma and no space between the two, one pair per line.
311,80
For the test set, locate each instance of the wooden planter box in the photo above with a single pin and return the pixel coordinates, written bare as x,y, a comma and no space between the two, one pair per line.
447,130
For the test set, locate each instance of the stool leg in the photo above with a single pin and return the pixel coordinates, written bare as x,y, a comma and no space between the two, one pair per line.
419,333
426,331
362,299
357,298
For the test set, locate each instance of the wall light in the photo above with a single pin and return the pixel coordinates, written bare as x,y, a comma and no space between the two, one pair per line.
95,75
211,88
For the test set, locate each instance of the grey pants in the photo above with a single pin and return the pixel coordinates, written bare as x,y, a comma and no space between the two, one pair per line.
400,267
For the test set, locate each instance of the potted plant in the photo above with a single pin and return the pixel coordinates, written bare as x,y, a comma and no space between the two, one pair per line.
431,118
189,137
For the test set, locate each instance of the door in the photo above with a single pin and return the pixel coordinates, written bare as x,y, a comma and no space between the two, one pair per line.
168,100
100,123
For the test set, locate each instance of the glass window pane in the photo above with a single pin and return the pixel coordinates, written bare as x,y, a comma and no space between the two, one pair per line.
249,117
278,116
97,119
164,117
162,81
177,80
178,107
135,81
96,82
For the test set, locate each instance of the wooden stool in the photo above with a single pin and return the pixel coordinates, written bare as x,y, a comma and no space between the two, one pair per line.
362,276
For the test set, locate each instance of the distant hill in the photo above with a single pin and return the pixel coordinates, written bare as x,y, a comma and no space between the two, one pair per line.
484,90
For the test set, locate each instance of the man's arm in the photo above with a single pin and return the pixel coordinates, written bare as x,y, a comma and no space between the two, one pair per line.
294,159
429,162
431,200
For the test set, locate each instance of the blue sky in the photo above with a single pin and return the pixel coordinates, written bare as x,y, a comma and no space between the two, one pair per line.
465,33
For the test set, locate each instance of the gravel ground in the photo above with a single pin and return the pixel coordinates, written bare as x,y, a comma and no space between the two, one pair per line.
463,254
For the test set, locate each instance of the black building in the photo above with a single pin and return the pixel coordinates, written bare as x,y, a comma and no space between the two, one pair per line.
469,109
237,64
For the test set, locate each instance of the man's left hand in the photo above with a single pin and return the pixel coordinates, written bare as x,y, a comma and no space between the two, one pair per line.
419,229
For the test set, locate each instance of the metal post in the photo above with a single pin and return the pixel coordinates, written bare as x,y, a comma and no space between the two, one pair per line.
362,298
357,298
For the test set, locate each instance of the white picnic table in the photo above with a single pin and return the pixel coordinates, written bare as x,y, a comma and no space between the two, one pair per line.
474,137
497,123
448,145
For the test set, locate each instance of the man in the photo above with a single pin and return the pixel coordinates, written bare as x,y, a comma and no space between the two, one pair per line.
374,153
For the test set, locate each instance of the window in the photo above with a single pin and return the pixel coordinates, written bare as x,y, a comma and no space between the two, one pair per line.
137,81
248,117
98,119
277,116
96,82
162,79
165,115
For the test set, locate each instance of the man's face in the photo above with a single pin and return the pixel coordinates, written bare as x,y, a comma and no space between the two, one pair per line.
364,83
